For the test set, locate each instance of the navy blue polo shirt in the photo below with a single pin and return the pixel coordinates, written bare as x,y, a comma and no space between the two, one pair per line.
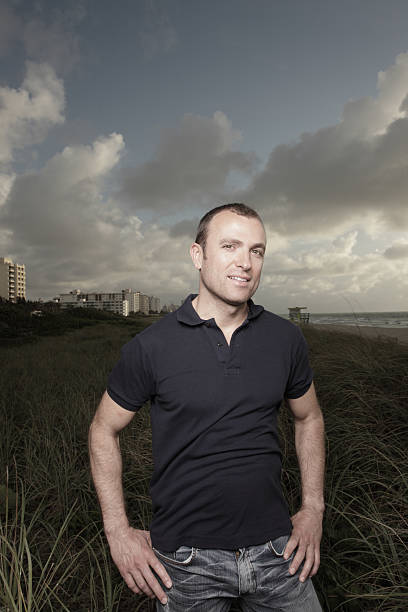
213,408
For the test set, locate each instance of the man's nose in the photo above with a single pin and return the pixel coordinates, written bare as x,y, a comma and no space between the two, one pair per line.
243,260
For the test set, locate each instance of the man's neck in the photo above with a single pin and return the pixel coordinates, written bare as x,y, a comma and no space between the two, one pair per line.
227,316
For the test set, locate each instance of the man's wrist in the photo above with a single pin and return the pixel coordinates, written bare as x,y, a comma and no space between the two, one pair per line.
116,529
316,505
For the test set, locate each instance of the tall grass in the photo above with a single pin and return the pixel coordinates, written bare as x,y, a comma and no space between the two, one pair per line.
363,391
53,554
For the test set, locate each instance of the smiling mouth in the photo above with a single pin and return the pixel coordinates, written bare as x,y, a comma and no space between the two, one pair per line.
239,279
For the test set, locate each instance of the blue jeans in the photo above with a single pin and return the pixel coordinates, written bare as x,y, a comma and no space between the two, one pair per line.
208,580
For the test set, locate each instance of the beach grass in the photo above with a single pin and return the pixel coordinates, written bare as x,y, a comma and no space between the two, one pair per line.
53,554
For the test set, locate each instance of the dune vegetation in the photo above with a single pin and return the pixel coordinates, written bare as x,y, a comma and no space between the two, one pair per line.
53,553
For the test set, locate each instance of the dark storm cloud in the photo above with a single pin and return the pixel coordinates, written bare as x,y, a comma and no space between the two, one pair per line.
192,163
343,173
397,251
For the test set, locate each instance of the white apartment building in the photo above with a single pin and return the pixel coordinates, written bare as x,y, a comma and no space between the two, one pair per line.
154,303
122,302
12,280
114,302
138,302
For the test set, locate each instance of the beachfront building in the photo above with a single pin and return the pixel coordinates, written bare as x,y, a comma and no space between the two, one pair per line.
113,302
297,316
122,302
12,280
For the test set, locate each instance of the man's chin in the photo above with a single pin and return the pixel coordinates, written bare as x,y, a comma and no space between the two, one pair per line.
237,301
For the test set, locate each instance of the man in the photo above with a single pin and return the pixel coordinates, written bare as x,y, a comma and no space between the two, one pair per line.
215,372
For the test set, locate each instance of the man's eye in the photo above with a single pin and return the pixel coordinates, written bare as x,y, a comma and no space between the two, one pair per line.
257,252
228,246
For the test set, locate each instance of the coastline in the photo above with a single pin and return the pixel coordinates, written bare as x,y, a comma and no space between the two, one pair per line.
398,334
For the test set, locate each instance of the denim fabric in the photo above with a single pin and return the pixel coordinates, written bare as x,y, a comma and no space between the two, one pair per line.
208,580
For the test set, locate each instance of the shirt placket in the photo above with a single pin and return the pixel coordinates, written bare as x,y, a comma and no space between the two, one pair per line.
227,355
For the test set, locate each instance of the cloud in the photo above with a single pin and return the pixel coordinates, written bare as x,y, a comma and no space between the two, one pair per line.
332,272
346,173
74,226
187,227
58,218
191,165
6,183
27,113
61,223
399,250
60,208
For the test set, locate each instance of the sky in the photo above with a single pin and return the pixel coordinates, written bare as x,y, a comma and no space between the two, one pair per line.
122,123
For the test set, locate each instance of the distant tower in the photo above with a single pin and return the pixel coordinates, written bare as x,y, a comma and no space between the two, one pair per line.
296,316
12,280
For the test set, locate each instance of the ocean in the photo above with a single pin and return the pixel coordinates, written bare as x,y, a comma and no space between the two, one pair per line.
363,319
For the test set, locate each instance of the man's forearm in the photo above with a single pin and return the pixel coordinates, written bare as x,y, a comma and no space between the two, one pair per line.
106,467
309,440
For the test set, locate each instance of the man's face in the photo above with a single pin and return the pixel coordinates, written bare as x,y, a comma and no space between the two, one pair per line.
231,263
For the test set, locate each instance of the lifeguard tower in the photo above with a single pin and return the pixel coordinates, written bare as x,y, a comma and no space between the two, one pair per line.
297,316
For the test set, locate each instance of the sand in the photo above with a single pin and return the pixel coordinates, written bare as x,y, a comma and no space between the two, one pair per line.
399,334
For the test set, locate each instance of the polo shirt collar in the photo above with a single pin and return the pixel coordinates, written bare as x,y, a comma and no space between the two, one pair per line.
187,313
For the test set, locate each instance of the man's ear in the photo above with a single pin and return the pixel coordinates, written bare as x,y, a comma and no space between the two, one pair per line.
196,253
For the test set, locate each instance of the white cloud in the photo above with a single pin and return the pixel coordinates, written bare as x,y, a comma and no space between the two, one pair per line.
59,222
332,273
27,113
84,163
57,209
6,183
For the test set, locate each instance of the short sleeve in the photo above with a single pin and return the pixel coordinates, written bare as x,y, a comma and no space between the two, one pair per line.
301,373
130,383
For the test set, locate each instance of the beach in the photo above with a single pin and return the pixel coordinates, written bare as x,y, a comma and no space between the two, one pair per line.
399,334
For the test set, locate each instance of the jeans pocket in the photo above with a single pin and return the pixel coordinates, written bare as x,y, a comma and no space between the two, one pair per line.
278,545
184,555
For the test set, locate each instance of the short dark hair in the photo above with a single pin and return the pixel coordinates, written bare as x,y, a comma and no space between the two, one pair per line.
236,207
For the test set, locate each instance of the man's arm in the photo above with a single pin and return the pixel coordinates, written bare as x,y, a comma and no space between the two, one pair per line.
310,449
131,549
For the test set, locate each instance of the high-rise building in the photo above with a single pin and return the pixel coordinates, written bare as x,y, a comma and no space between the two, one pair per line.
12,280
154,303
141,302
138,301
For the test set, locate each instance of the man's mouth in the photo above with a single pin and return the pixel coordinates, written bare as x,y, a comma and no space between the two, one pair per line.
241,279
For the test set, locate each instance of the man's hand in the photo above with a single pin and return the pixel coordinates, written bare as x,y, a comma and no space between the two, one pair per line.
306,536
132,552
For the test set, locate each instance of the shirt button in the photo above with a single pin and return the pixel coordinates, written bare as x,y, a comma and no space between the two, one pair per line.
219,344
